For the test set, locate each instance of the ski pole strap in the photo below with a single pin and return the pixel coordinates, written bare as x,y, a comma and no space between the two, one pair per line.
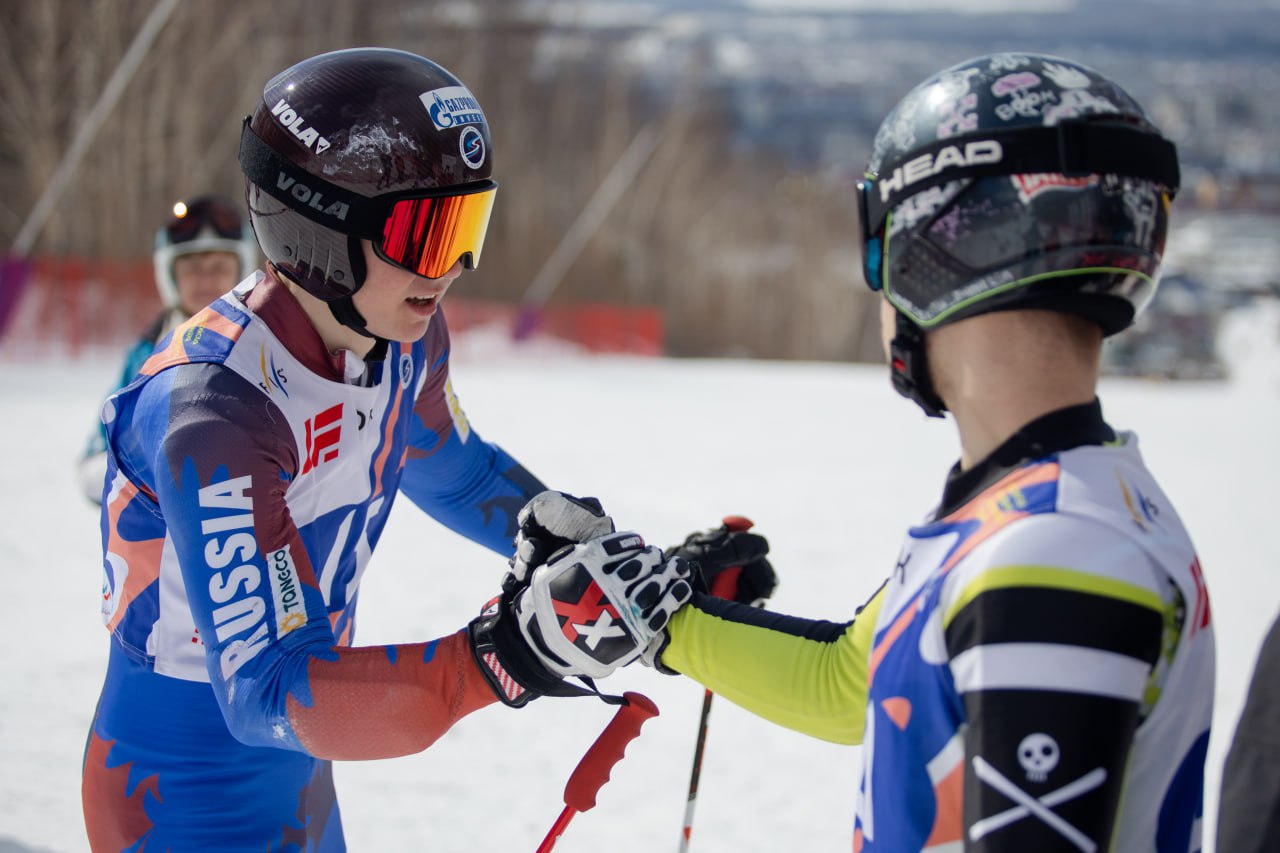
513,671
567,688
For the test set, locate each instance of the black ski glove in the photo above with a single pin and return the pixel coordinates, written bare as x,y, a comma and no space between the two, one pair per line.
729,562
514,671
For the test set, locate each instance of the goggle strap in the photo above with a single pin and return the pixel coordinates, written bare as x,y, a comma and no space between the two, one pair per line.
315,198
1073,149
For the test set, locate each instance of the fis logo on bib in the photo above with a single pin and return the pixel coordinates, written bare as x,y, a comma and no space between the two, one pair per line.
452,106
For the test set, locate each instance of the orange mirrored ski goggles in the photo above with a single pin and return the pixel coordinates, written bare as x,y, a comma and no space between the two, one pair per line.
428,235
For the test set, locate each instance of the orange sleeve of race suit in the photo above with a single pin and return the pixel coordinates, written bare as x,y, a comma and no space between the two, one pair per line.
386,701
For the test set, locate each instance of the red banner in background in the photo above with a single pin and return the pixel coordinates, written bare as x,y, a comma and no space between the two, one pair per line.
70,305
74,305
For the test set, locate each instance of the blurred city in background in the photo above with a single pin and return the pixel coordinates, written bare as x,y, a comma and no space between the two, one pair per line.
734,130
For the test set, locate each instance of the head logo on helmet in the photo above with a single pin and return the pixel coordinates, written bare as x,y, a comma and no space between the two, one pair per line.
366,144
1014,181
927,165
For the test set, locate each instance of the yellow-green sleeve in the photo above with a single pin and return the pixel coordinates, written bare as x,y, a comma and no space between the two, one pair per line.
807,675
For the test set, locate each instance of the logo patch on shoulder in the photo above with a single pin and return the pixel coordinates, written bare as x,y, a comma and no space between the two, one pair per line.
460,422
286,591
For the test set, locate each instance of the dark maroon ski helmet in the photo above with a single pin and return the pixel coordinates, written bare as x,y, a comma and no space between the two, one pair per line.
367,143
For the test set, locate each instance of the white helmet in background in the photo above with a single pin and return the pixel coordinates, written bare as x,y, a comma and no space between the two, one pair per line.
202,223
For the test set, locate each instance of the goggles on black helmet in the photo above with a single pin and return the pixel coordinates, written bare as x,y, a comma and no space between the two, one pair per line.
193,217
427,235
425,232
1073,150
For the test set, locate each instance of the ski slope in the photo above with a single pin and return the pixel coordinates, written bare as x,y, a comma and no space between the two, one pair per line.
827,460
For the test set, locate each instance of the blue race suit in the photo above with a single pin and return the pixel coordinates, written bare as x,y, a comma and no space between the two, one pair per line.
251,474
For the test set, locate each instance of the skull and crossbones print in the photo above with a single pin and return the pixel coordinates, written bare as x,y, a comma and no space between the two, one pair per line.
1038,754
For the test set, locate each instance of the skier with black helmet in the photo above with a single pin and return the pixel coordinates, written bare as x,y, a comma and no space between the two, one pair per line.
1037,672
201,251
253,464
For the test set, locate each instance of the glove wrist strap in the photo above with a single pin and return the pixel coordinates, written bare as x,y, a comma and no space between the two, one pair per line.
514,674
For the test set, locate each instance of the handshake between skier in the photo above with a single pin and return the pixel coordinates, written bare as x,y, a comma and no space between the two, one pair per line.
581,599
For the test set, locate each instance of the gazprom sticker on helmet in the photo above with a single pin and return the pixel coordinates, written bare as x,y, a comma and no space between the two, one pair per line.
452,106
471,146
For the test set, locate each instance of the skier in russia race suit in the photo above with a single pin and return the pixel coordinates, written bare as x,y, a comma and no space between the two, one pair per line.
1037,671
253,463
204,248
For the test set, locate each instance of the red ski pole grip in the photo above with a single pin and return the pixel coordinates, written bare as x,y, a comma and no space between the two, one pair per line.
725,584
594,768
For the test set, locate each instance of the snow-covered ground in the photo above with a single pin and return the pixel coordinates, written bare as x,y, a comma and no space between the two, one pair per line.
827,460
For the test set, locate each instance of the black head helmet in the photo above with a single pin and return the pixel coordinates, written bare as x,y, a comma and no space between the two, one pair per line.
1016,181
367,143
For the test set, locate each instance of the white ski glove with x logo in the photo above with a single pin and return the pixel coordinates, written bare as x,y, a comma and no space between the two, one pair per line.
597,605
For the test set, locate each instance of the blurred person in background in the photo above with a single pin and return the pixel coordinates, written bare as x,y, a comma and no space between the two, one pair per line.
1037,671
254,461
1249,806
201,252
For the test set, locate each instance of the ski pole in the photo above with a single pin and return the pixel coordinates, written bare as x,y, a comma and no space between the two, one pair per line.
724,586
594,767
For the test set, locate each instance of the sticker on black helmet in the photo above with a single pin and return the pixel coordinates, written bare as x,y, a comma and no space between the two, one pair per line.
452,106
297,125
471,146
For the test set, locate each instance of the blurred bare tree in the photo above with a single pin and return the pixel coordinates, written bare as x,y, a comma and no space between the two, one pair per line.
743,257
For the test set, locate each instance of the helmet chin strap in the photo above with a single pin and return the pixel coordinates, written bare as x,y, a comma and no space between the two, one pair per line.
345,312
909,368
